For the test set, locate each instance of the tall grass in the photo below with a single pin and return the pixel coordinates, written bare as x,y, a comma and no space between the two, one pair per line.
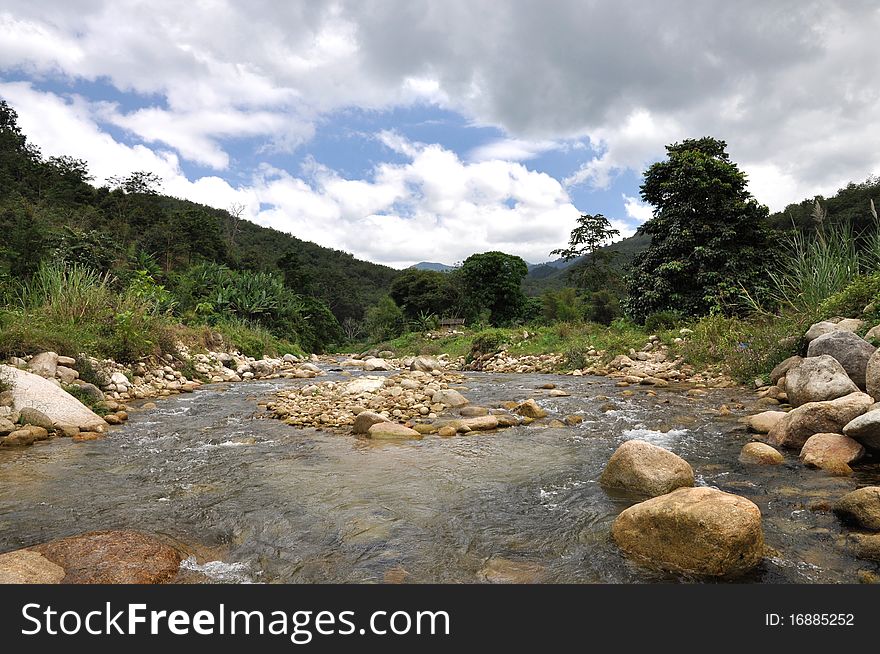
814,267
67,292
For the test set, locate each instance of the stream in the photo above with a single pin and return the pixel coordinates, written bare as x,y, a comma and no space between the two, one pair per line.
255,500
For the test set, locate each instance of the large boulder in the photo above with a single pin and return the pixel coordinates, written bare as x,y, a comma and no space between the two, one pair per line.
366,419
112,557
374,363
392,431
851,350
449,397
763,422
760,454
700,531
831,451
425,364
829,326
817,417
865,429
817,379
872,376
363,385
44,364
32,391
782,369
861,507
645,469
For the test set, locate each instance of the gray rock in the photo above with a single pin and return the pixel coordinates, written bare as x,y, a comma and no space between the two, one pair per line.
449,397
780,370
66,375
851,350
37,418
66,361
865,429
872,376
873,334
7,427
92,392
44,364
375,363
30,390
817,379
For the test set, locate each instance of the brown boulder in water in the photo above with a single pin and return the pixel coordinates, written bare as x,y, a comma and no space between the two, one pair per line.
112,557
700,531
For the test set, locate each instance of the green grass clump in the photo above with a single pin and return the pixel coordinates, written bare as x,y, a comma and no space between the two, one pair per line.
746,348
254,340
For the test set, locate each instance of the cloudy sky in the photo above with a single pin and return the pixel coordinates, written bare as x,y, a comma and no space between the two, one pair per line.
404,131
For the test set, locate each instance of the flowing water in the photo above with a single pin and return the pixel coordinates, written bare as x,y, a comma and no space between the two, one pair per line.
253,499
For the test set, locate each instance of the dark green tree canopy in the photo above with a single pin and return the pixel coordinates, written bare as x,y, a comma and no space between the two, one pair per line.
709,237
493,281
426,292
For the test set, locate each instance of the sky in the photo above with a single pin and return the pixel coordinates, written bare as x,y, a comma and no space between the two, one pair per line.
405,131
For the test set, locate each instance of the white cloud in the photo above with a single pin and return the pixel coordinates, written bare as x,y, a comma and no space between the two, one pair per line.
511,150
637,210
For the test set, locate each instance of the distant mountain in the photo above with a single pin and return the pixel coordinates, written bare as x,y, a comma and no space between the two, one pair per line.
429,265
557,264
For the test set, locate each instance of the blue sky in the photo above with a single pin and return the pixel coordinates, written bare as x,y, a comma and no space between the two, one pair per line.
403,132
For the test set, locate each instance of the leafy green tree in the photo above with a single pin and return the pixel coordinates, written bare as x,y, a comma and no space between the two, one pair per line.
385,320
24,243
425,292
563,305
591,233
318,327
710,238
493,281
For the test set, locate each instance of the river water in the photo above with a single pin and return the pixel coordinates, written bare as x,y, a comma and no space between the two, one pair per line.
255,500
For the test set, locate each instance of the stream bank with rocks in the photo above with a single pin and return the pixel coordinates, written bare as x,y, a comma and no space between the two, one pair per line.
685,491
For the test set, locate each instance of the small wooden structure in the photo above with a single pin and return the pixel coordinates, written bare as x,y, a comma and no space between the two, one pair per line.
448,323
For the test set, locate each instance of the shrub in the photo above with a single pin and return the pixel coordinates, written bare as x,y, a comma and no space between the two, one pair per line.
385,320
853,299
561,306
747,348
488,341
662,320
604,308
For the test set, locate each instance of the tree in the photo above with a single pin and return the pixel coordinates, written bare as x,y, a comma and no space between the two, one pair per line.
591,233
385,320
493,281
420,292
710,239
